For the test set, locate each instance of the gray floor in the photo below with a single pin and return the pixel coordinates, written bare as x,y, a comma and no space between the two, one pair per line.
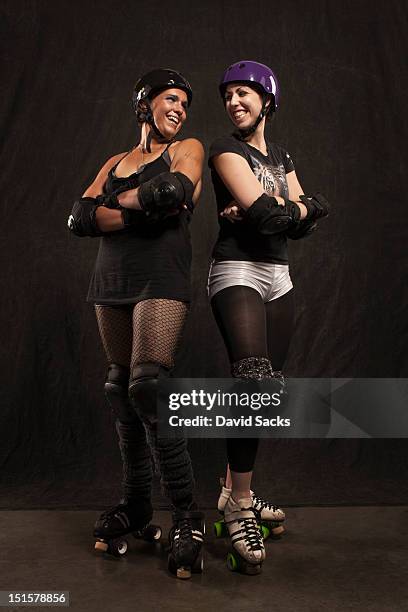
331,559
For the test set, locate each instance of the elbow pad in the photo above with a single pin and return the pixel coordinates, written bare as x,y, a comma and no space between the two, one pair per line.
302,229
267,217
82,220
165,192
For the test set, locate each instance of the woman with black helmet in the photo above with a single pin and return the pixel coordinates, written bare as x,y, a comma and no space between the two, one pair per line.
260,203
140,205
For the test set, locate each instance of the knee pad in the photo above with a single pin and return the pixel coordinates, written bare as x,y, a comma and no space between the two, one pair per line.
143,390
252,368
116,384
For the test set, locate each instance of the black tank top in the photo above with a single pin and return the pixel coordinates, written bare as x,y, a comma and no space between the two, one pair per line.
147,260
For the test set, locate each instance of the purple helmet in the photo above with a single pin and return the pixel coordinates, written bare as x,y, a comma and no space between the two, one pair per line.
254,74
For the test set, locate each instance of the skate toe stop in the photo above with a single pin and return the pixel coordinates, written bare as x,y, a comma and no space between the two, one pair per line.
252,570
184,573
101,546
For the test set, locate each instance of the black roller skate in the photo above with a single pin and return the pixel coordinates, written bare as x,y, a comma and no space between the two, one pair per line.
121,520
185,541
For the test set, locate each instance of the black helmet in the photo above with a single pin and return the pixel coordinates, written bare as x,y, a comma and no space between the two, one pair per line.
150,85
158,80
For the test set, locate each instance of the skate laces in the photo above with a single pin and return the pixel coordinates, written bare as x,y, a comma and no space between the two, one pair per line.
252,535
184,530
262,503
126,517
119,513
247,529
115,511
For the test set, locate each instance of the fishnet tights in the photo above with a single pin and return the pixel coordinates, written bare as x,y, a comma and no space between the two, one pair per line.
145,332
132,334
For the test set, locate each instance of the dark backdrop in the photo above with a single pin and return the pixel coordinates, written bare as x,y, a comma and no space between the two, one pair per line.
69,68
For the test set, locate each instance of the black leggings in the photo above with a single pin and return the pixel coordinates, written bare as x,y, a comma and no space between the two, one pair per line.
251,328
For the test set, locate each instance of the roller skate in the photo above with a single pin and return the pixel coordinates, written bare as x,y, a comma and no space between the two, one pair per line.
185,541
271,518
117,522
248,552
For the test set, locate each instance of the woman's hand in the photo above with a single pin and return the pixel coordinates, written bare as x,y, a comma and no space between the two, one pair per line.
232,212
129,199
108,220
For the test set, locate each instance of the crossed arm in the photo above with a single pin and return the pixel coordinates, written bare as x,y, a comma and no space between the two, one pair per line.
240,181
188,159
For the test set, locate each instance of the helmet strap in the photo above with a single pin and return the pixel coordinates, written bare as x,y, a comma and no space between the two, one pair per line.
244,134
150,120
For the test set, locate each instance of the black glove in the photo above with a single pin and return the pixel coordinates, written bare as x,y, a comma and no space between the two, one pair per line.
108,200
82,220
317,206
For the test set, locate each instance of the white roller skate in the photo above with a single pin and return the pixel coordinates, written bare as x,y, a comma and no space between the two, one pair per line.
241,522
271,517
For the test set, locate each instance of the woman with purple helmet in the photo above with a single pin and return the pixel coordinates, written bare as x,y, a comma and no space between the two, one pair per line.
260,205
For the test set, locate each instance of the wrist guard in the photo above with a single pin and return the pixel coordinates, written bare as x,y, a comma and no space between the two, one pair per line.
82,220
317,206
108,200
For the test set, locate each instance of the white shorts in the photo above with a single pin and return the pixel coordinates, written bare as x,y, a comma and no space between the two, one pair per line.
270,280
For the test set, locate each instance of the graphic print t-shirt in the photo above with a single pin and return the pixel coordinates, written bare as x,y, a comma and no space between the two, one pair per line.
238,241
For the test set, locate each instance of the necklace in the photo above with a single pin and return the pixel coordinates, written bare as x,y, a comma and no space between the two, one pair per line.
143,152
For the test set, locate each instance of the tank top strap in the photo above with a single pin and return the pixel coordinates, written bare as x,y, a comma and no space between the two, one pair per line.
166,155
112,170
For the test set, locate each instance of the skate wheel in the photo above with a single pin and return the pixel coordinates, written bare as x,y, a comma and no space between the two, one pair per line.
237,564
118,547
272,529
220,529
101,546
152,533
232,562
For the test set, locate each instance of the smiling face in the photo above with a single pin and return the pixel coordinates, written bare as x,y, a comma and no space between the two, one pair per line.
243,105
169,110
